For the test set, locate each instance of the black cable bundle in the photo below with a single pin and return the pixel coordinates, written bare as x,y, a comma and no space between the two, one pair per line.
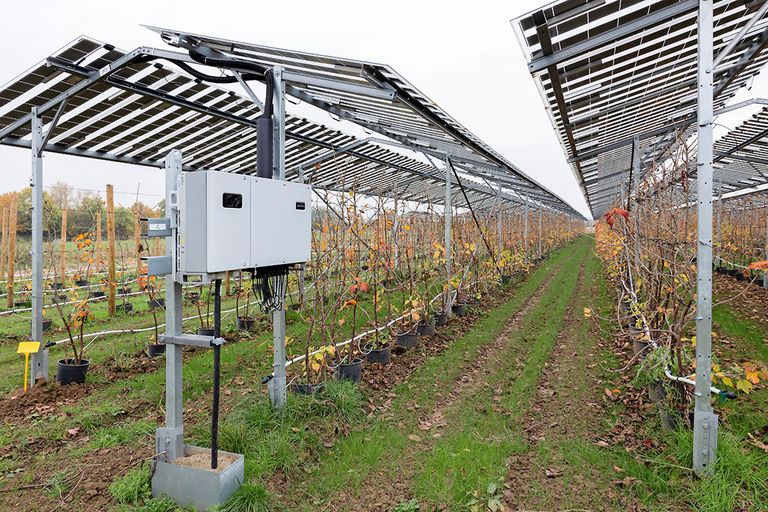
269,285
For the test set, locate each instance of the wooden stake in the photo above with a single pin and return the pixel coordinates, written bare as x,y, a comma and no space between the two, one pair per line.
137,240
99,265
111,248
63,253
3,242
11,247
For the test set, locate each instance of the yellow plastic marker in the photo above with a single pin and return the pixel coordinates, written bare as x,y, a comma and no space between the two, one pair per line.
26,348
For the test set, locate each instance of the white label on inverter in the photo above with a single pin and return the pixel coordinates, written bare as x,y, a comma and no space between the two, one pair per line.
157,227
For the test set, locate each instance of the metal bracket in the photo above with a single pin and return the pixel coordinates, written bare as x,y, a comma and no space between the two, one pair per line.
158,228
192,340
158,265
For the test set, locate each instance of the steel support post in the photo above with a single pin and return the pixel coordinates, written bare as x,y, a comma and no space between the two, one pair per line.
636,186
170,439
447,242
525,231
541,213
499,233
39,363
765,253
277,386
705,421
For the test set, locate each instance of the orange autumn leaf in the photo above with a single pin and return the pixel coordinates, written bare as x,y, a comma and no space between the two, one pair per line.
758,265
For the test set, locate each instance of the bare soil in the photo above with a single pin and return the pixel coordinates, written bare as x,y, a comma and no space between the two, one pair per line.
202,460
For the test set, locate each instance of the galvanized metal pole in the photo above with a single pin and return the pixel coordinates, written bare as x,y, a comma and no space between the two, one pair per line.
447,242
540,233
169,440
525,232
765,253
40,359
636,185
499,232
705,421
277,386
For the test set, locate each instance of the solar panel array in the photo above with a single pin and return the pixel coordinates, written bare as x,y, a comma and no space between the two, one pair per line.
612,70
133,108
409,117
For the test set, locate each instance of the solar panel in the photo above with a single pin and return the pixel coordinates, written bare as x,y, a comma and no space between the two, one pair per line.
612,70
123,107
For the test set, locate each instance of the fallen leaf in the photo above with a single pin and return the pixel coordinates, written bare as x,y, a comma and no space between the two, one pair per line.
553,473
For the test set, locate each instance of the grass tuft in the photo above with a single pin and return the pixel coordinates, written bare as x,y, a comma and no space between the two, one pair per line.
132,487
251,498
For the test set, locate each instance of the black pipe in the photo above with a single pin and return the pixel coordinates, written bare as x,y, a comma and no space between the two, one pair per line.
216,375
477,223
265,132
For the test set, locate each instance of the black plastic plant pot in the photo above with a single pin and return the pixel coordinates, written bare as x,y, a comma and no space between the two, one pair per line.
156,349
380,355
245,324
192,296
506,280
23,304
407,339
205,331
156,303
732,271
352,371
739,276
47,324
124,290
441,319
459,309
124,308
305,388
425,329
96,295
640,346
57,286
81,282
67,372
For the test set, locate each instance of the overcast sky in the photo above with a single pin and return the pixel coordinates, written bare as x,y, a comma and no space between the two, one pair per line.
463,55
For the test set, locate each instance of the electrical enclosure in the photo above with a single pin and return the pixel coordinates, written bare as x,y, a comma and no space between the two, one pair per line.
233,221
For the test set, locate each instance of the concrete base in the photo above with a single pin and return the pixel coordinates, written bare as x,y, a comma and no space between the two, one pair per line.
199,489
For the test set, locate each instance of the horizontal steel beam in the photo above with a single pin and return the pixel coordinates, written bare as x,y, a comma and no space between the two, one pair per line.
592,43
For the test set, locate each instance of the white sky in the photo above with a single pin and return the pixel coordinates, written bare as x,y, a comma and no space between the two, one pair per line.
463,55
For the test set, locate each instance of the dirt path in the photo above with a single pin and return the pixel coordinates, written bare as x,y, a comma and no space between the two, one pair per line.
568,412
416,421
471,379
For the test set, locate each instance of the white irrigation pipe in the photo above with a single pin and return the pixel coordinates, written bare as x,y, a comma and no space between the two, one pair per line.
128,331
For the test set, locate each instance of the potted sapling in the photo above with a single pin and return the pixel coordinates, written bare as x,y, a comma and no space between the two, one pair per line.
205,329
426,325
407,337
245,322
380,349
315,365
155,347
73,370
85,249
351,367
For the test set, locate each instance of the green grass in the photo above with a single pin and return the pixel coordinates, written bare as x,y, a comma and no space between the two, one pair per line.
377,446
471,453
664,480
251,498
132,488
